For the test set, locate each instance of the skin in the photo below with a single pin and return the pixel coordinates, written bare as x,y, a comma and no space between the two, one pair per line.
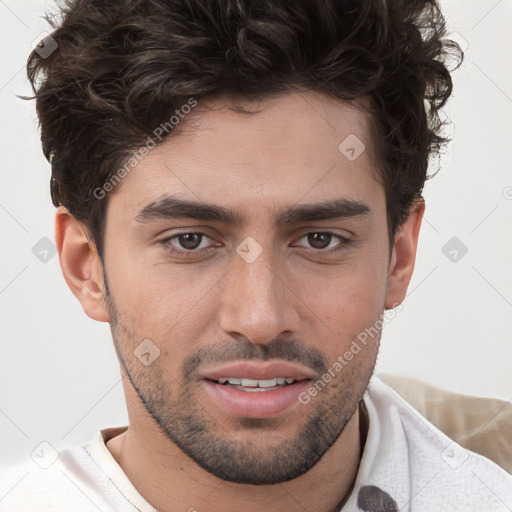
295,297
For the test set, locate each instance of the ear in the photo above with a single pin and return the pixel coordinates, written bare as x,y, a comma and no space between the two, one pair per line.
80,264
404,255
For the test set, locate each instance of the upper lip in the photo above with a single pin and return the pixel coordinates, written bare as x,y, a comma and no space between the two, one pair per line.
259,371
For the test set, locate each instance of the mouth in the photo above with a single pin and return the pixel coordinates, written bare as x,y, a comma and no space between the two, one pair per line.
253,390
254,385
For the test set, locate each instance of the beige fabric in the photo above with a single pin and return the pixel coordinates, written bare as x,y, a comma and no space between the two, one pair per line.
482,425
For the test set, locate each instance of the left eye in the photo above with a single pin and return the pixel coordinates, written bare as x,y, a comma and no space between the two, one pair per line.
321,240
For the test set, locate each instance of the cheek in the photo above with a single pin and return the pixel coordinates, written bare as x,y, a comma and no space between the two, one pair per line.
163,301
347,306
356,288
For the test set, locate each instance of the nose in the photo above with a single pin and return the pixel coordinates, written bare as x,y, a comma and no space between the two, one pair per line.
258,302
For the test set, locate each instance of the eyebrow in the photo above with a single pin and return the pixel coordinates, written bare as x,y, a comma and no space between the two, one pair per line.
170,207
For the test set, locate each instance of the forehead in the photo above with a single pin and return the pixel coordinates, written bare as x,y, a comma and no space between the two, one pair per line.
291,148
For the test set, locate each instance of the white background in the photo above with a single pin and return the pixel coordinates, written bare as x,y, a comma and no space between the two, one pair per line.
59,378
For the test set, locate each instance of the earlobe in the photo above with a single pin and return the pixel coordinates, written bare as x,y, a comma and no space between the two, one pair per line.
403,255
80,264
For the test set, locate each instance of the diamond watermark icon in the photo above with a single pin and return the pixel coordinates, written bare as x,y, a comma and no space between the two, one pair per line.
352,147
44,250
44,45
44,455
249,249
454,455
146,352
454,249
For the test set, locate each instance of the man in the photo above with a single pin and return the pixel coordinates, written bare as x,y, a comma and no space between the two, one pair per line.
239,195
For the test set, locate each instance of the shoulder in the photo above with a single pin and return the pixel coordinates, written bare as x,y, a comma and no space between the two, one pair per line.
60,481
420,466
27,486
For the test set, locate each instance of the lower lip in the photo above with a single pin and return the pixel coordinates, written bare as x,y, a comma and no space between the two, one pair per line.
256,404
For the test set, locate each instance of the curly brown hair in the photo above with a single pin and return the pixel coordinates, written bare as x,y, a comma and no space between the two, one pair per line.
121,68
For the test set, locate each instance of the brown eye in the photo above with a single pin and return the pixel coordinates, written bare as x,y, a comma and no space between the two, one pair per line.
325,243
188,244
189,241
319,240
323,240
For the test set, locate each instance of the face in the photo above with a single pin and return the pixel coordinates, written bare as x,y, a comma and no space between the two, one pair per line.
250,248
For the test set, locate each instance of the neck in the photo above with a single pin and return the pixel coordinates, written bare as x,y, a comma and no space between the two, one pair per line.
171,481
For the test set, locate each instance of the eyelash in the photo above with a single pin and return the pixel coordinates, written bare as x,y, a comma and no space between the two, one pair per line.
344,243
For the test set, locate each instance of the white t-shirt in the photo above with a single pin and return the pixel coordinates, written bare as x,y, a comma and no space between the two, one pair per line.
407,465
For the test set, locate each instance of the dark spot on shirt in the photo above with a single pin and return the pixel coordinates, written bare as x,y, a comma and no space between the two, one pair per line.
373,499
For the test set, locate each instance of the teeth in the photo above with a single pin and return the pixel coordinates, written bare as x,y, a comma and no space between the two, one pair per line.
267,383
251,383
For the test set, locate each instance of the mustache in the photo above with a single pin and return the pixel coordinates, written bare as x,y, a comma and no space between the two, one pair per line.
289,350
